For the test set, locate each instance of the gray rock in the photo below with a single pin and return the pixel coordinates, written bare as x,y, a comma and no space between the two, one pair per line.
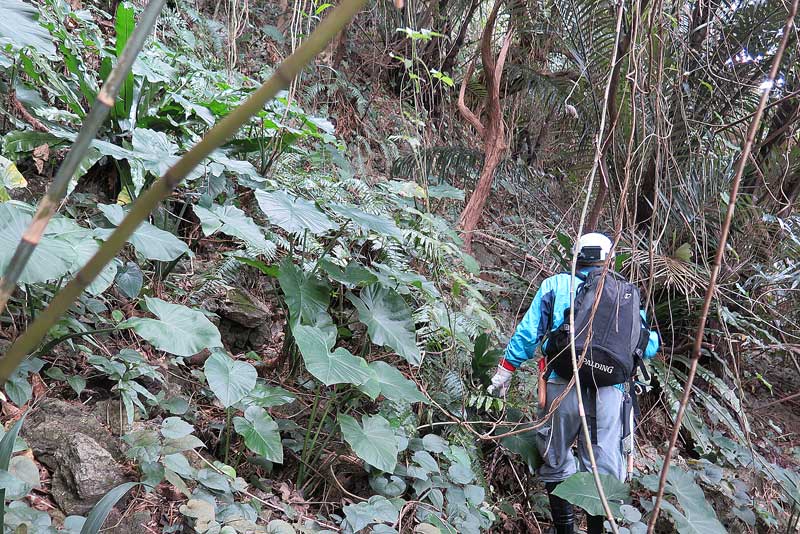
82,455
243,309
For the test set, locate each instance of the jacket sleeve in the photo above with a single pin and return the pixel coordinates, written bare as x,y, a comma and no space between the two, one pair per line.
530,331
653,343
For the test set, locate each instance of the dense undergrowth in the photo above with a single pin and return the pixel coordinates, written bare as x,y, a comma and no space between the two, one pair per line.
296,341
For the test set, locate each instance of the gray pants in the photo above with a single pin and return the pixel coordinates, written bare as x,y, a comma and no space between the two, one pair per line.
555,439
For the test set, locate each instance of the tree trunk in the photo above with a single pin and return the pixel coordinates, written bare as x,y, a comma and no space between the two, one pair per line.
493,131
283,11
471,216
600,199
340,48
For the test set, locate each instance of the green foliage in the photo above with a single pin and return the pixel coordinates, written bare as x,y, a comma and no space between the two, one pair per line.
230,380
307,297
377,510
374,442
55,256
232,221
523,444
391,383
19,28
484,360
337,367
123,25
260,433
7,446
295,215
178,330
580,490
352,275
124,369
388,320
380,225
129,280
698,515
152,242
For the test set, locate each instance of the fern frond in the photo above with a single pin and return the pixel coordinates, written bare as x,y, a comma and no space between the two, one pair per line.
444,162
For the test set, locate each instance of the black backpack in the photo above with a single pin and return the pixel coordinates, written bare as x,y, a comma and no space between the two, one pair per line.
616,336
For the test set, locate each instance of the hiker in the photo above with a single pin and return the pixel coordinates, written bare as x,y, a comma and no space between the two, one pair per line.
618,339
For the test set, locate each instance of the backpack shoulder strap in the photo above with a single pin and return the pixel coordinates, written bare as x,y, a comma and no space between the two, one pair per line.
578,275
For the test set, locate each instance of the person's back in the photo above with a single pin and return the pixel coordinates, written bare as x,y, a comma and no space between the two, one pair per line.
546,315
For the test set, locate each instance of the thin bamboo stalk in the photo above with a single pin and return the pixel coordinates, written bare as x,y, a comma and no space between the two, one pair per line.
598,155
160,190
769,83
58,189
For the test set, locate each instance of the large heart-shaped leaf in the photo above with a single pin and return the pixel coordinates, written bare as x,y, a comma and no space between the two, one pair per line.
380,224
85,247
352,275
306,295
19,27
579,489
391,383
699,516
260,433
228,379
178,330
175,428
388,320
52,258
231,220
269,396
153,152
337,367
293,214
523,444
152,242
130,279
219,162
375,442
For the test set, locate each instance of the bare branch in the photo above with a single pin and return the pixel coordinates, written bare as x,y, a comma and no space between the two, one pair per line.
494,89
462,106
486,45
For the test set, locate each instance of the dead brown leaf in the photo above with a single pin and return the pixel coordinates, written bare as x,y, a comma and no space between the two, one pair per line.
39,387
41,156
9,409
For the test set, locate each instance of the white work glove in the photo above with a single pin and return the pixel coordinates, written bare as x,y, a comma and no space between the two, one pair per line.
500,381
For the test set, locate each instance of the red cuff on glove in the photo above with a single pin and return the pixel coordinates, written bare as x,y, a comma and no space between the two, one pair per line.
505,365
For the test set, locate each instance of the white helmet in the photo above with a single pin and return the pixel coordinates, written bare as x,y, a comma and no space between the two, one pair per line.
593,247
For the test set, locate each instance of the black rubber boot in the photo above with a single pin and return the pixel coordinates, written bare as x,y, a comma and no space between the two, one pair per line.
561,510
594,524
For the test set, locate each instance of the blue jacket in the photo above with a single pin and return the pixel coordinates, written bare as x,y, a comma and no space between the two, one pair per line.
547,313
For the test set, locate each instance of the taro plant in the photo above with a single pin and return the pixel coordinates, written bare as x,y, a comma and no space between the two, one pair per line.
126,369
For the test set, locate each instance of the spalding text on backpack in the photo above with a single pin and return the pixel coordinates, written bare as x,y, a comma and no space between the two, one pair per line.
614,337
